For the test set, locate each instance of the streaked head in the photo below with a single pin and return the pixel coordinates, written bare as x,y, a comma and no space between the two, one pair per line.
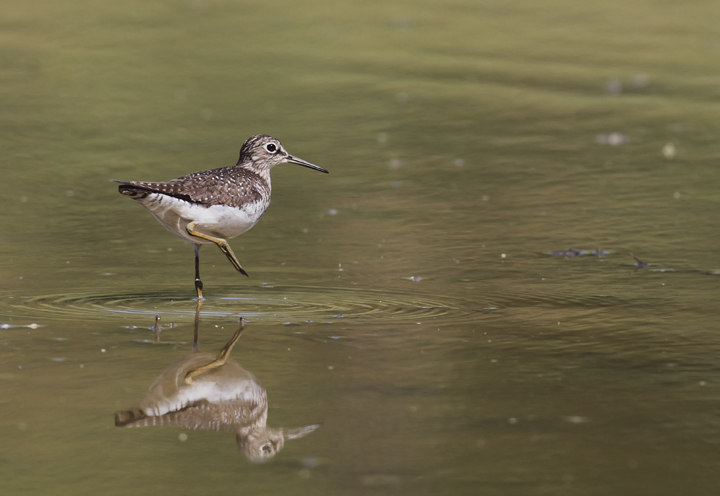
259,445
264,152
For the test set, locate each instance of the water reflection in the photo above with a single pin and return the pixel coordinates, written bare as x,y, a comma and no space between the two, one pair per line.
211,392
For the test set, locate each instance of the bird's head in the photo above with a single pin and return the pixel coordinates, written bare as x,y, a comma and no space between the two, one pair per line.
263,152
261,444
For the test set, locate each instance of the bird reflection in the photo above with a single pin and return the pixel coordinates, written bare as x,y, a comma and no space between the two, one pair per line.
209,392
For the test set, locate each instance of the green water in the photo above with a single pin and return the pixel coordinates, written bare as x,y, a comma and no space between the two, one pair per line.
465,141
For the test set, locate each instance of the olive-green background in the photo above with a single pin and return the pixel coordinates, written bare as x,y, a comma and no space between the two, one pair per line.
465,140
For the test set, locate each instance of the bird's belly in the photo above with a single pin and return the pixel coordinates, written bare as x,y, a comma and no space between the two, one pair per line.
217,220
228,222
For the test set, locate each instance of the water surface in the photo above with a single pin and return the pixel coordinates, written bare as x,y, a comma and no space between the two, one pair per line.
407,301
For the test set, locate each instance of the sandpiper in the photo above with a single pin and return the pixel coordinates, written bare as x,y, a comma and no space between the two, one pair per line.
213,206
208,392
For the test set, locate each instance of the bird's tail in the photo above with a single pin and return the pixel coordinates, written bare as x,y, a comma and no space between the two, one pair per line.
131,190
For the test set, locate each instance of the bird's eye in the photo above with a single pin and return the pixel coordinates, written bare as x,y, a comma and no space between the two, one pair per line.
271,147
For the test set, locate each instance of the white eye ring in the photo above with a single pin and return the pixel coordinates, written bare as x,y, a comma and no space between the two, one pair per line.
271,147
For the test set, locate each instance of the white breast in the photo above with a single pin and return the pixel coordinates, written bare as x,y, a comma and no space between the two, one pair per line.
216,220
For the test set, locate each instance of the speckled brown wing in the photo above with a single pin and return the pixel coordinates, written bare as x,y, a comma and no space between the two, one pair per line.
230,186
204,415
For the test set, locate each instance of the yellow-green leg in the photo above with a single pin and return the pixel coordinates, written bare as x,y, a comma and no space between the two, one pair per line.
198,282
196,325
221,243
220,359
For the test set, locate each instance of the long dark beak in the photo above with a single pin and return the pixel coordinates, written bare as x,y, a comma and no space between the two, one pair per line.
304,163
299,432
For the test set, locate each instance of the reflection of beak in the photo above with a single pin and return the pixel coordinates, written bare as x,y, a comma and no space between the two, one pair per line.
300,431
305,163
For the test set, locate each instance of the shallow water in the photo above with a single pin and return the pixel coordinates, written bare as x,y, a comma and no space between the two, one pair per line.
407,301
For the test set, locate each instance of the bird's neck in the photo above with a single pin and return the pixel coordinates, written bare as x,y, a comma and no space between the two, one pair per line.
262,174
